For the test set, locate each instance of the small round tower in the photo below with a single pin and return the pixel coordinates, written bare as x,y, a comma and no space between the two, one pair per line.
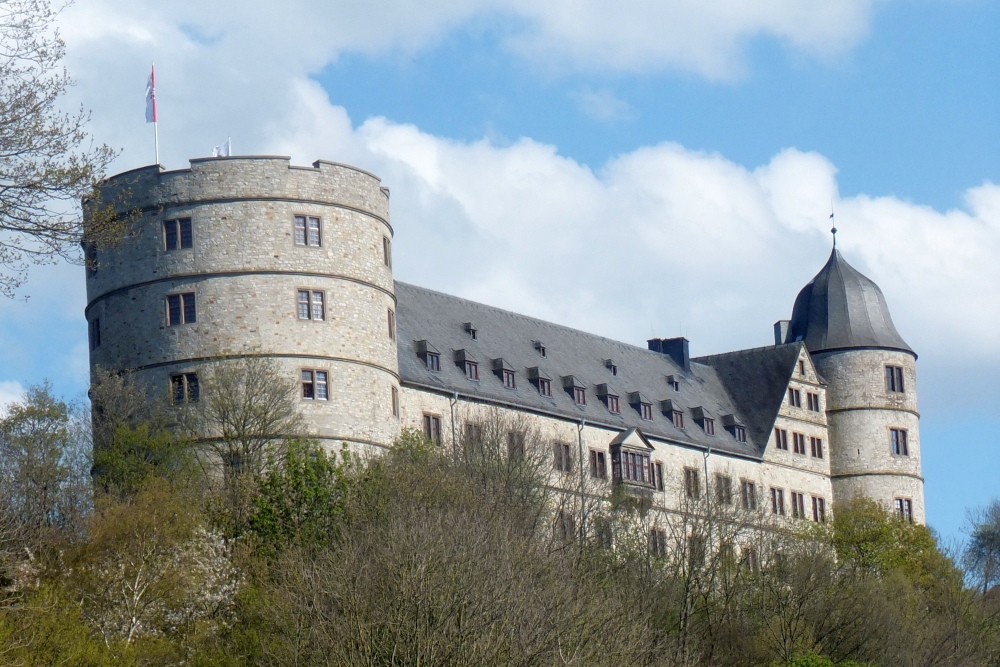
251,257
874,429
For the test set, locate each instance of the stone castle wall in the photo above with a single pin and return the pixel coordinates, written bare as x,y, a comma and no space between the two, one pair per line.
245,269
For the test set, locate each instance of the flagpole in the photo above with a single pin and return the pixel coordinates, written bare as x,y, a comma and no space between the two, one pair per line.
156,142
156,132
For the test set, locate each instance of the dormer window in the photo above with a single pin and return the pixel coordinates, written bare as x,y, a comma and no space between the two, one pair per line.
673,383
545,387
575,389
709,425
704,420
542,381
677,417
609,398
508,380
646,411
472,370
539,347
733,425
642,405
673,411
610,365
429,354
579,395
467,362
471,330
505,372
740,434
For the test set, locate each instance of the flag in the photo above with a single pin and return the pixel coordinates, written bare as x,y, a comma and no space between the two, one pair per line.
225,150
151,97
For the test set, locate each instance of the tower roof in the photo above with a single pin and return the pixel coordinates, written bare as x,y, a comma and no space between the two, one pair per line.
841,309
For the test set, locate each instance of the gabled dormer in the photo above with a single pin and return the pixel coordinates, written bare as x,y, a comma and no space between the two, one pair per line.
609,397
642,405
429,354
674,411
735,426
505,372
631,462
576,389
703,418
466,361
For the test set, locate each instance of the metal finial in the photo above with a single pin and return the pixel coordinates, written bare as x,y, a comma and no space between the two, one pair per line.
833,229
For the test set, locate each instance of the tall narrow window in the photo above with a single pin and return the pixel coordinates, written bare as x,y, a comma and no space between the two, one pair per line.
544,387
598,465
646,411
794,398
95,333
177,234
897,438
433,361
387,251
579,395
740,433
181,309
692,484
395,402
894,379
184,387
515,444
307,231
613,404
563,461
778,501
432,428
709,426
819,509
508,379
812,400
472,370
781,438
392,324
748,494
816,447
799,443
802,367
723,489
677,417
658,476
798,505
904,508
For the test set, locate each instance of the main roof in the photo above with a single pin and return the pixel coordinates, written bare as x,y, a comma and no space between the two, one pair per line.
507,340
842,309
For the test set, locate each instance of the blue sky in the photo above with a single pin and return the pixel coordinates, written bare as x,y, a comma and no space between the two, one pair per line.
626,169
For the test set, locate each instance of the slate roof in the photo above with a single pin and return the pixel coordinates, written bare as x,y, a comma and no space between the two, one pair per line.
756,379
841,309
439,319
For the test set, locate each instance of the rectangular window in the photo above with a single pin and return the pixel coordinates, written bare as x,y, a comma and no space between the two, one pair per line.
613,404
894,379
709,426
723,489
692,484
794,398
184,387
646,411
799,443
433,361
432,428
392,324
904,508
781,438
813,401
802,367
658,475
677,417
798,505
95,333
544,387
180,309
897,438
307,231
563,461
387,251
395,402
472,370
778,501
748,494
177,234
90,259
636,468
515,444
598,465
565,527
314,385
816,447
657,542
311,305
740,433
509,381
580,395
819,510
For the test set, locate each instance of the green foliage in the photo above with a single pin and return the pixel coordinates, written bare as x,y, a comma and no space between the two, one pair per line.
134,454
815,660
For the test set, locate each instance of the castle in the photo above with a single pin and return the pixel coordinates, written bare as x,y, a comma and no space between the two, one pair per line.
242,256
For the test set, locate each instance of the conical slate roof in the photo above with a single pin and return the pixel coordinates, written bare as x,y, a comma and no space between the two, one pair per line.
842,309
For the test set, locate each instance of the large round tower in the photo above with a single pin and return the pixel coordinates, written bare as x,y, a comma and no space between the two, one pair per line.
843,319
249,256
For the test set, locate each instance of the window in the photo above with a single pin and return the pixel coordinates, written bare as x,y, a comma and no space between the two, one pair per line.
177,234
816,447
598,465
819,510
314,385
508,379
472,370
94,329
897,439
395,402
798,505
391,318
740,433
433,361
565,527
515,444
579,395
904,508
307,231
812,400
181,309
723,489
673,383
799,443
611,366
541,348
692,484
778,501
709,425
748,494
90,259
894,379
794,398
635,468
184,387
657,542
677,417
563,461
387,251
473,433
802,367
432,428
646,411
696,551
657,471
544,387
612,404
781,438
750,559
311,305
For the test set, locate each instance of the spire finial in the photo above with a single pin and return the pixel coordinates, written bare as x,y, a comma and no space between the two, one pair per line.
833,228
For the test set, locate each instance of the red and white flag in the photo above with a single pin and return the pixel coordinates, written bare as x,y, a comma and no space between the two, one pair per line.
151,97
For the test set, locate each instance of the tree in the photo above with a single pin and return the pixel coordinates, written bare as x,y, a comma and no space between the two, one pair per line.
982,553
47,161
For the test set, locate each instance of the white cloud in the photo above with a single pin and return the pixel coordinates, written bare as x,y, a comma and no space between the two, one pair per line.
10,392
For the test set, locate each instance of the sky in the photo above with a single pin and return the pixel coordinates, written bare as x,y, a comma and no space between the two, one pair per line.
632,169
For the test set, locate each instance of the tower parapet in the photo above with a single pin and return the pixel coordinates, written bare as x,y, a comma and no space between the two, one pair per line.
250,256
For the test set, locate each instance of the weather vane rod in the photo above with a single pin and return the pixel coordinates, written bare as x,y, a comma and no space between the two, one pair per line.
833,227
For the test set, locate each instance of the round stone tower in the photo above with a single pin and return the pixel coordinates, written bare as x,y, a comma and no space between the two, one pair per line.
250,257
874,429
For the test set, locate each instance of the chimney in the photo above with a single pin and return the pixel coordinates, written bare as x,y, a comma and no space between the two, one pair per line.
781,331
675,348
